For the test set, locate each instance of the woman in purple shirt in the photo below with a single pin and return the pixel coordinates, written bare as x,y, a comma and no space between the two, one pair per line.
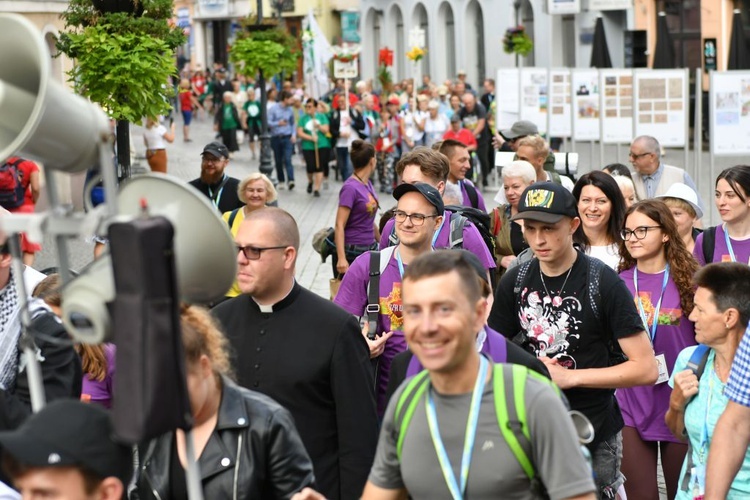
730,240
356,232
658,270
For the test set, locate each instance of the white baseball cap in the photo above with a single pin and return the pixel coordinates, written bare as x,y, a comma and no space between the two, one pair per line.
684,192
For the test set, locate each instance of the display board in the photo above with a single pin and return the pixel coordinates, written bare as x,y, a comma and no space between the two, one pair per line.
560,103
506,90
586,102
661,103
730,113
616,105
534,97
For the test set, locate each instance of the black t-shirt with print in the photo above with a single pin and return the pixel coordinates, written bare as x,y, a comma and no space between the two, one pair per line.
469,120
564,327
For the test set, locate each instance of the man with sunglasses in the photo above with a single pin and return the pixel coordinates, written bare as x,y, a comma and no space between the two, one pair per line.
572,312
652,177
418,214
304,352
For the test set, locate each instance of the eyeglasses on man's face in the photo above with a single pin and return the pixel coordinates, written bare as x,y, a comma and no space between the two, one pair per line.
634,156
640,232
416,219
253,253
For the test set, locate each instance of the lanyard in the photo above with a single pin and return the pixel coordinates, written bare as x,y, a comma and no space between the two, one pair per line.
457,492
400,264
729,243
446,215
215,199
644,317
704,431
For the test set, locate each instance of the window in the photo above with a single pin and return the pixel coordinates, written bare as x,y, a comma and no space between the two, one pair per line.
684,22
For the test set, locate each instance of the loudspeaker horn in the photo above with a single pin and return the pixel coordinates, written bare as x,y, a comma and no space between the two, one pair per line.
39,119
205,254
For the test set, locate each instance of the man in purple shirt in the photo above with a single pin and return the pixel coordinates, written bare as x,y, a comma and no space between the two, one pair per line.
417,216
460,164
431,167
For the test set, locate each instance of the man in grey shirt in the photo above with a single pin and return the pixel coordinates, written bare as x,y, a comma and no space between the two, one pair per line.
442,308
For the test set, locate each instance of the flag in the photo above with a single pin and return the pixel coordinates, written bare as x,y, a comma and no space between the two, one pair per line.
318,53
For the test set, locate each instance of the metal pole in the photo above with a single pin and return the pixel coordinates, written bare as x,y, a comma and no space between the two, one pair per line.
265,138
686,111
195,488
698,129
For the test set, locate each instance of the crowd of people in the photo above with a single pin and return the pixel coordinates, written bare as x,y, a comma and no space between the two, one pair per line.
463,340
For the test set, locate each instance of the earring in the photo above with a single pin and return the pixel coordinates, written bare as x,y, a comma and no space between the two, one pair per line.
726,325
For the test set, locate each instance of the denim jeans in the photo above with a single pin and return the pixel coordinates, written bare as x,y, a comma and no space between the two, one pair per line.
282,154
344,163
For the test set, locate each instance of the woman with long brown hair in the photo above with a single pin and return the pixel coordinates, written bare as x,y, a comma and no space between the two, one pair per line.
658,269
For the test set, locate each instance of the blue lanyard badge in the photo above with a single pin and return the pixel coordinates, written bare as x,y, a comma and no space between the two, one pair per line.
639,302
400,264
440,228
729,244
457,492
215,198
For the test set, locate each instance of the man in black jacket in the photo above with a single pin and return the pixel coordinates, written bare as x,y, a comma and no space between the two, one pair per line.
216,185
304,352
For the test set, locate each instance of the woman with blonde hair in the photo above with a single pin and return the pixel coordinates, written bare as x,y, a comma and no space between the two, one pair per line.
155,137
247,441
255,191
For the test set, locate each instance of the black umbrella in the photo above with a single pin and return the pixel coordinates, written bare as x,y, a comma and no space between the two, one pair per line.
600,51
664,57
739,58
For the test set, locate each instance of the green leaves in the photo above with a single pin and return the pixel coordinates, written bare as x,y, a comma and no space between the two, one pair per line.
122,62
271,51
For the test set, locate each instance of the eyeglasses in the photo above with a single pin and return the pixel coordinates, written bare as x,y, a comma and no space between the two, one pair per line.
635,156
213,160
640,232
253,253
416,219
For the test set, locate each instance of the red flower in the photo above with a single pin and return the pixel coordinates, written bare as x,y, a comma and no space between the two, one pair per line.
385,57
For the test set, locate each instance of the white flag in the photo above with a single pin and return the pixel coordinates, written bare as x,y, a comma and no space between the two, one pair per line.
318,53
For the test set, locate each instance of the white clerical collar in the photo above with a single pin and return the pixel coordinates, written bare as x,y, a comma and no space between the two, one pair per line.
267,309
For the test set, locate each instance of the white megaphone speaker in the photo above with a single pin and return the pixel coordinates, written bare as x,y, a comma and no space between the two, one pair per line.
39,119
205,254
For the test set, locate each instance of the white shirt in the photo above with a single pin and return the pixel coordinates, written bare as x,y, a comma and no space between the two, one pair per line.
609,254
154,137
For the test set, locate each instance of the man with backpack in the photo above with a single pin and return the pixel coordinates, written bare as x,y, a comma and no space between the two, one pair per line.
449,431
462,227
577,316
460,163
372,285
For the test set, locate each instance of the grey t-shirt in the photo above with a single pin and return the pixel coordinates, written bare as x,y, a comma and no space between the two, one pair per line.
494,471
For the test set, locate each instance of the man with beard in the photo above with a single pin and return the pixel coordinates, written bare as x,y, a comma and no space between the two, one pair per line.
213,182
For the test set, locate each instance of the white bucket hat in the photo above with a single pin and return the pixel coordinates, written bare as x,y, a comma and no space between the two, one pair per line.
684,192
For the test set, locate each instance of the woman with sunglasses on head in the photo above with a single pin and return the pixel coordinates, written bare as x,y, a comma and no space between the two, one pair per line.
729,241
658,270
601,208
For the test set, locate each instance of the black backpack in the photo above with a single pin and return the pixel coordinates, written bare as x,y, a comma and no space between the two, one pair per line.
12,191
481,221
709,243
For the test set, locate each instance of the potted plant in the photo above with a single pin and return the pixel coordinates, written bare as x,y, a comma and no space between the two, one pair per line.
516,41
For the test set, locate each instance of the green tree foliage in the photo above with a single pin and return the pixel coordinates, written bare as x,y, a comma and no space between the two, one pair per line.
272,51
122,60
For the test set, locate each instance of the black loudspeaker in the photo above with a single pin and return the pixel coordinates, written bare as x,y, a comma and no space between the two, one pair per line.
636,46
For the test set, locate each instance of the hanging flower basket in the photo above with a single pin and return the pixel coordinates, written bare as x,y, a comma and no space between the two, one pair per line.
516,41
385,57
416,54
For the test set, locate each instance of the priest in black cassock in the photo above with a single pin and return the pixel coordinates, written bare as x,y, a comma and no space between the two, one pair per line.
303,351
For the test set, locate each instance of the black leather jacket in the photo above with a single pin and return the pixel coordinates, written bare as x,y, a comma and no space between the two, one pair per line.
254,452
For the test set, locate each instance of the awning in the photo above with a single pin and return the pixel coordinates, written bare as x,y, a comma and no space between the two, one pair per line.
739,58
664,56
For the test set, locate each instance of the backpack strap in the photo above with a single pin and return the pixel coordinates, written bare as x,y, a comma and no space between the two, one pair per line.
407,404
471,192
378,263
509,386
709,243
232,216
523,271
595,269
696,363
456,239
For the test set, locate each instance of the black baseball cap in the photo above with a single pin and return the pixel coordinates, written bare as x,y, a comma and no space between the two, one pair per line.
430,194
546,202
216,149
69,433
519,129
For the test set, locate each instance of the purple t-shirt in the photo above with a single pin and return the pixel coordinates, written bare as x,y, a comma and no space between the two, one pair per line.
352,297
363,203
93,391
472,240
644,407
467,201
741,248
